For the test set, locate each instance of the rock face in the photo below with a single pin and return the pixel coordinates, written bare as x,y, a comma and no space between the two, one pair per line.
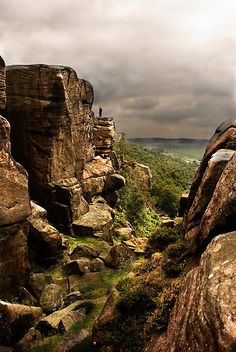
103,135
211,204
14,209
49,109
204,316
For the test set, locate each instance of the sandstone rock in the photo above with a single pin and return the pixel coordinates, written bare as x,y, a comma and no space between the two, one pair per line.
224,138
73,282
73,297
25,297
203,318
82,250
105,319
114,182
43,237
125,233
103,135
38,281
16,319
118,256
14,264
73,341
62,320
2,84
97,222
29,340
215,167
51,298
14,205
83,265
49,109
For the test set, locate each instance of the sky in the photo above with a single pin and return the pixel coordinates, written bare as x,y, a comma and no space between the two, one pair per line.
161,68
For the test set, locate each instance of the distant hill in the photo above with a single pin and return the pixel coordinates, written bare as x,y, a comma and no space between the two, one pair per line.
184,148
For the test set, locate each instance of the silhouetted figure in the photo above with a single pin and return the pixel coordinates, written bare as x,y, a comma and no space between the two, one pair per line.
100,112
2,63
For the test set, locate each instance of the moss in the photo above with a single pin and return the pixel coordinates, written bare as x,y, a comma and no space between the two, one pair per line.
163,237
48,344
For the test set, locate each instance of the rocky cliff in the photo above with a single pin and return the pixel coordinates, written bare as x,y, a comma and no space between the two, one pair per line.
204,316
14,209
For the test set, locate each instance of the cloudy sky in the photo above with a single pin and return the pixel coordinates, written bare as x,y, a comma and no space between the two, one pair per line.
162,68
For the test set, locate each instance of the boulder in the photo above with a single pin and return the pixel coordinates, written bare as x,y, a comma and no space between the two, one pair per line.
118,256
16,319
203,318
25,297
38,281
83,250
63,319
28,341
49,109
114,182
83,265
14,204
73,297
97,222
51,298
43,237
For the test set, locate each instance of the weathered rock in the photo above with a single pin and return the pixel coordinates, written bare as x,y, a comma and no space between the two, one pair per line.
83,265
51,298
16,319
73,297
14,205
223,138
49,109
114,182
61,320
25,297
43,237
221,211
73,341
28,341
97,221
73,282
105,319
103,135
207,186
203,318
2,84
14,264
125,233
38,281
118,256
95,175
82,250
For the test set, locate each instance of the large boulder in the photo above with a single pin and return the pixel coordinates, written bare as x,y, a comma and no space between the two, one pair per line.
16,319
203,319
14,209
49,109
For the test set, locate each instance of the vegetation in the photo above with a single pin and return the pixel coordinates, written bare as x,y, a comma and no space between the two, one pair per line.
170,177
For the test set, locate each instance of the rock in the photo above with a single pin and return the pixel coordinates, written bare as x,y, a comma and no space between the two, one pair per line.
51,298
49,109
28,341
43,237
73,282
82,250
38,281
83,265
103,135
183,204
221,211
203,318
114,182
63,319
73,297
14,205
25,297
125,233
207,186
105,319
224,138
118,256
168,223
2,84
73,341
16,319
96,222
95,174
90,280
14,263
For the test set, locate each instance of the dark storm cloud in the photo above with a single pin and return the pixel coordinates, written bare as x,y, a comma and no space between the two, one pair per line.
160,67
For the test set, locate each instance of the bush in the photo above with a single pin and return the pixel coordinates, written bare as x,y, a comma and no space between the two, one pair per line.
163,237
175,257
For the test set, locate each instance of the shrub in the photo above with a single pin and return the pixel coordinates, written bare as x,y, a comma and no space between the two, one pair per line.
163,237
